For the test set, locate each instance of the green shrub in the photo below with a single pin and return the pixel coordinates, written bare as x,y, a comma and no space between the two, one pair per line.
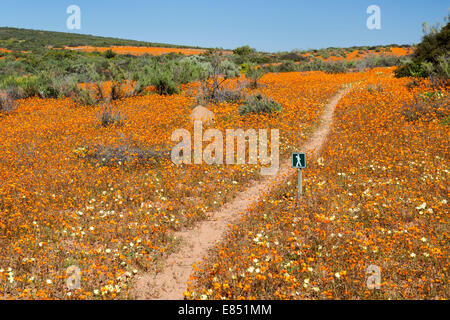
334,67
431,57
244,68
109,54
410,69
259,104
287,66
243,51
293,56
164,82
254,73
189,69
42,85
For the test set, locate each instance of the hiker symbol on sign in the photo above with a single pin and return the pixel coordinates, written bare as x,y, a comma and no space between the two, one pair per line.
299,160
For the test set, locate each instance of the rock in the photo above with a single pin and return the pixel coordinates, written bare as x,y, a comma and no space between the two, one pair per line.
200,113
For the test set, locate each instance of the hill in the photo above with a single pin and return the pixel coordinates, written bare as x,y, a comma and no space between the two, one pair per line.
27,39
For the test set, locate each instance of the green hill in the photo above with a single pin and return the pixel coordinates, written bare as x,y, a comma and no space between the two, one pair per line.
27,40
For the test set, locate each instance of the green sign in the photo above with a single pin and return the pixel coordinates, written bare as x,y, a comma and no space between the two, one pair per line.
299,160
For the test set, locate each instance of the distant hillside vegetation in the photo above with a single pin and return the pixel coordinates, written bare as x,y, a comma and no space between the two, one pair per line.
27,40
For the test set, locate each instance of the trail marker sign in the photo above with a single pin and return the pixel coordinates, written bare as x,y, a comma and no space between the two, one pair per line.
299,160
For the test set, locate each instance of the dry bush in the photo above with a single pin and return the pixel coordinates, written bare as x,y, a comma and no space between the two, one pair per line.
110,117
6,103
125,153
220,95
427,107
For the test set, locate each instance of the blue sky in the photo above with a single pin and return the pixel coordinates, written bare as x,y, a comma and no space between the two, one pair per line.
264,25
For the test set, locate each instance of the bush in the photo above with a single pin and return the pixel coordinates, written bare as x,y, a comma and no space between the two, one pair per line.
259,104
189,69
164,82
42,85
427,106
243,51
378,61
6,103
293,56
334,67
84,97
119,82
254,74
431,58
109,54
126,153
410,69
287,66
218,71
109,117
226,95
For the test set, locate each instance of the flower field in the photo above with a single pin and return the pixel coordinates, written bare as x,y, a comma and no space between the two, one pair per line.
358,54
376,196
138,51
106,199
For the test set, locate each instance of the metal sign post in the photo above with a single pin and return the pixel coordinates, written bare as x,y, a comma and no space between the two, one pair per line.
300,188
299,162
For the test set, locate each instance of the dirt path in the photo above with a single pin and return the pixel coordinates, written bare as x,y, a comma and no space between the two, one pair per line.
170,284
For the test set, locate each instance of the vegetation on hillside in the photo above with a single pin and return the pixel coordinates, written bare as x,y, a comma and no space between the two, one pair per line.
432,56
31,40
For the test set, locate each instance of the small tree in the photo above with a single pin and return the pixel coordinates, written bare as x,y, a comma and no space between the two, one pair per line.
119,81
109,54
254,73
243,51
218,72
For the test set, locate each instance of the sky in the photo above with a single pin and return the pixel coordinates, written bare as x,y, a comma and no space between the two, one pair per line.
280,25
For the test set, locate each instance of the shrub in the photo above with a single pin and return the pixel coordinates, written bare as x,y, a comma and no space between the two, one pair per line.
293,56
127,153
378,61
410,69
23,87
109,54
334,67
189,69
218,71
431,58
109,117
254,74
42,85
90,96
164,82
287,66
243,51
259,104
6,103
119,82
427,106
226,95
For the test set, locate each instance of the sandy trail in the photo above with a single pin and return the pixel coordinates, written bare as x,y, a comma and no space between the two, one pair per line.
170,284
